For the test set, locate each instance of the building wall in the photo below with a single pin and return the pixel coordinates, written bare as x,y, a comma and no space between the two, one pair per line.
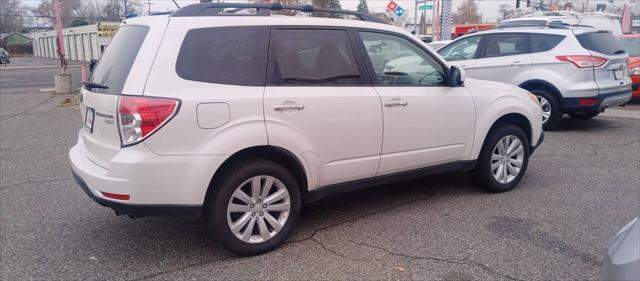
81,43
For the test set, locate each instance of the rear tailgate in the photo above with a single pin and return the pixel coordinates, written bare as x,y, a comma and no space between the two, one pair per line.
122,70
612,77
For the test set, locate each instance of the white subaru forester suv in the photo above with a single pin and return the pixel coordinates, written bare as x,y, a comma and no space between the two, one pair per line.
227,112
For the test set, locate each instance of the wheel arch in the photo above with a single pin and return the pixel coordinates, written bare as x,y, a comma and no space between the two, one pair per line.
537,84
274,153
515,119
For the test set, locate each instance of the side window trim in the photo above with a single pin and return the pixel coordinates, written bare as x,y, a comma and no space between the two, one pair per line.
374,79
271,79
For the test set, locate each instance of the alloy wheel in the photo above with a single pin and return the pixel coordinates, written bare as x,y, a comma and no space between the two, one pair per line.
258,209
546,108
507,159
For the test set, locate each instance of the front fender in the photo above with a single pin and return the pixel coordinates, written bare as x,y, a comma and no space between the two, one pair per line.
492,110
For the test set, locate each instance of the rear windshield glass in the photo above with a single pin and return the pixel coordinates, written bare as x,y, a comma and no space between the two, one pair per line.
631,45
601,42
114,65
225,55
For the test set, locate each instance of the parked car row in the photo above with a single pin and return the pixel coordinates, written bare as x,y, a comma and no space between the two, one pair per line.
245,118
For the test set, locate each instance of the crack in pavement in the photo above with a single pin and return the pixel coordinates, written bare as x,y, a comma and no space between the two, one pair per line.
156,274
465,261
28,109
33,148
5,187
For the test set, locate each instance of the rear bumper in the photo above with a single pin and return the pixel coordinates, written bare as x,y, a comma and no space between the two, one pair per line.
156,185
137,211
600,102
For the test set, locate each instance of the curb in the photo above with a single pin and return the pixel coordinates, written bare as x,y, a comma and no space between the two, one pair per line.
37,67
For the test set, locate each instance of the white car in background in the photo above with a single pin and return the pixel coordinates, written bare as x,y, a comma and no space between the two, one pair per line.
575,70
246,117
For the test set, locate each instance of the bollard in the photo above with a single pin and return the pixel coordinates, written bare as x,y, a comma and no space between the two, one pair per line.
84,73
63,83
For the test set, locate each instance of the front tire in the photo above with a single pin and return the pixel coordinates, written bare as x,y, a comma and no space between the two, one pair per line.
254,207
584,115
503,160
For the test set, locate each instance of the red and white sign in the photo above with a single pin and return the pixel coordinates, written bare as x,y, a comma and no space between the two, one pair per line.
392,6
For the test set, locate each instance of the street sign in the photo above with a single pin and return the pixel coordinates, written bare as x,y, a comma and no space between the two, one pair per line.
427,6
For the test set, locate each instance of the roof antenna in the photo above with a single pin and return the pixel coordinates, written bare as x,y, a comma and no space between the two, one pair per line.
174,2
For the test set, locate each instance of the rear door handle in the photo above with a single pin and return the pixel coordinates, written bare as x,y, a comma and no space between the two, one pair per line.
288,107
396,103
517,63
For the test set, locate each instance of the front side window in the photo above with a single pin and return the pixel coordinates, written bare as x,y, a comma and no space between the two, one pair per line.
314,57
463,49
397,61
224,55
499,45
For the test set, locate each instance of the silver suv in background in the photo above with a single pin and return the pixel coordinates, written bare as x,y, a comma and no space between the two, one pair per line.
576,70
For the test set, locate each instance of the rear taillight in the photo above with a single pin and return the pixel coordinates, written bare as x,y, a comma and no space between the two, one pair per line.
582,61
139,117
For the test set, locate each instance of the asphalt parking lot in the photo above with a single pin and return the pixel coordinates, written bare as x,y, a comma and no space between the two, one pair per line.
582,185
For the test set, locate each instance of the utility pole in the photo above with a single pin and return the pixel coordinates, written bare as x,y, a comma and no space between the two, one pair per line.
125,9
517,4
149,3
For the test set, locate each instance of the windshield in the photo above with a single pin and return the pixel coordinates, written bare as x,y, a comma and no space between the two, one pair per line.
631,46
114,65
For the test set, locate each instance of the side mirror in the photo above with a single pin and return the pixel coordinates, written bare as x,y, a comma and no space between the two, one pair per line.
92,64
456,76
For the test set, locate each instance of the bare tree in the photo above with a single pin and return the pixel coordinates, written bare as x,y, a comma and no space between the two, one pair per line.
467,12
12,16
505,12
68,10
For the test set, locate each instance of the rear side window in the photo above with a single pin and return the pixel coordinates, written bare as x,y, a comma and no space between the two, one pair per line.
544,42
601,42
499,45
224,55
114,65
314,57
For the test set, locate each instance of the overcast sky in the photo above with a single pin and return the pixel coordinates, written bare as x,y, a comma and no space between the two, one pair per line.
488,8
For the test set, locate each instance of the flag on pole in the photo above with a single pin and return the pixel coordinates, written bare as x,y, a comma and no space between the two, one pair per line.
446,20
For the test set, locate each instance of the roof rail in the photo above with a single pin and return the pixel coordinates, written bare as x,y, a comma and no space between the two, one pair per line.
533,23
217,9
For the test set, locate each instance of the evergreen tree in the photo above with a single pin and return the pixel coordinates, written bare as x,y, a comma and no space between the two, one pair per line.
331,4
362,7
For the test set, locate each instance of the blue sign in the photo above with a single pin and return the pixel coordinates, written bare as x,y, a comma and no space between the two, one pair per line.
399,11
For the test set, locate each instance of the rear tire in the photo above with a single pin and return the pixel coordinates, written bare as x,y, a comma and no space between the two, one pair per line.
263,223
584,115
552,113
510,155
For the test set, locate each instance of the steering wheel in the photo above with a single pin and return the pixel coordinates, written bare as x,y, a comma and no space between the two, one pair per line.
427,75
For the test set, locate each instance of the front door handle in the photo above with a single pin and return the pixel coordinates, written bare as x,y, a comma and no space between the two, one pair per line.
396,103
517,63
288,107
